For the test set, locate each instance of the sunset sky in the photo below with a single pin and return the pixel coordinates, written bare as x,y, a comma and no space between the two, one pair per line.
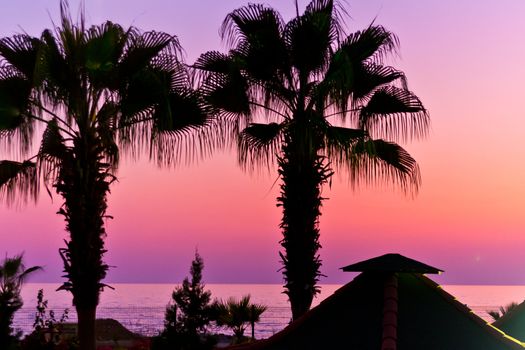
464,59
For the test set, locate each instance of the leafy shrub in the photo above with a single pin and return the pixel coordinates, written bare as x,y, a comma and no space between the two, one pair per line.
188,315
238,314
47,330
12,275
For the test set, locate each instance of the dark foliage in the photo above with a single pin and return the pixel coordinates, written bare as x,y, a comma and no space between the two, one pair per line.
305,96
189,314
237,315
12,275
47,330
97,90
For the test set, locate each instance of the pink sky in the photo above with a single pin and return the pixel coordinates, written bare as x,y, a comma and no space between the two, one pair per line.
465,60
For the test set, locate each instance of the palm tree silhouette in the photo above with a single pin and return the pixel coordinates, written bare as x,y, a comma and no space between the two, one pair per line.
237,314
314,100
13,273
502,311
254,315
96,90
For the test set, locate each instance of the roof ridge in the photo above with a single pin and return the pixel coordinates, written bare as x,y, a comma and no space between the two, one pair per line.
390,313
497,333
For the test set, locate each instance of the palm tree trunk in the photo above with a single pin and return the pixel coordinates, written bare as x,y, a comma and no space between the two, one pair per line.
84,186
303,174
86,328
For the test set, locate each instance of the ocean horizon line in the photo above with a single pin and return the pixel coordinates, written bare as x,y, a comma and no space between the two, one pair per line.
275,284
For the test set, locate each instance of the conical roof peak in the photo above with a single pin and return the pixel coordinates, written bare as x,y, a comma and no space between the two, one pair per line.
391,263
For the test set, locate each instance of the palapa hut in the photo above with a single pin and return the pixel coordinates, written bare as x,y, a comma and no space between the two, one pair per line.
513,322
390,305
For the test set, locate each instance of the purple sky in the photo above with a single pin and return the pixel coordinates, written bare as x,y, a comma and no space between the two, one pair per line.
464,59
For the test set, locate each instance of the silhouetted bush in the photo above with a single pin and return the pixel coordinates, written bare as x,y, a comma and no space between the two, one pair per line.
503,310
237,315
188,315
12,275
47,330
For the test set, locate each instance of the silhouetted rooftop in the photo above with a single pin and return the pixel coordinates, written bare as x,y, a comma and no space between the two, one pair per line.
353,317
391,263
513,322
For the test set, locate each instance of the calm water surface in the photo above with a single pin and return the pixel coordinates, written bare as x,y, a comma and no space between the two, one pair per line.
140,307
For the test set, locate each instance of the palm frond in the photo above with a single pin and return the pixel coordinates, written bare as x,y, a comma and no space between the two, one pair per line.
246,24
340,143
346,88
257,65
21,52
71,34
149,48
25,274
229,93
215,62
11,267
52,144
370,77
12,275
180,111
107,118
52,152
15,125
18,181
336,8
259,145
178,125
258,41
231,90
378,161
351,75
54,70
373,44
187,146
395,113
236,314
309,37
103,48
142,92
216,74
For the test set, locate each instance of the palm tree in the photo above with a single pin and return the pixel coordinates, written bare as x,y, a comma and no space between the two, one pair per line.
503,310
312,99
254,315
95,90
238,314
13,273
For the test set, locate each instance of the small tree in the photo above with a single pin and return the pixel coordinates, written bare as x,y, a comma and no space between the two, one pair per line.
192,300
254,315
47,330
189,313
12,275
238,314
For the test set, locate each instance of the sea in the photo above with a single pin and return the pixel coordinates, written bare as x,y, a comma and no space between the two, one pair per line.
140,307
